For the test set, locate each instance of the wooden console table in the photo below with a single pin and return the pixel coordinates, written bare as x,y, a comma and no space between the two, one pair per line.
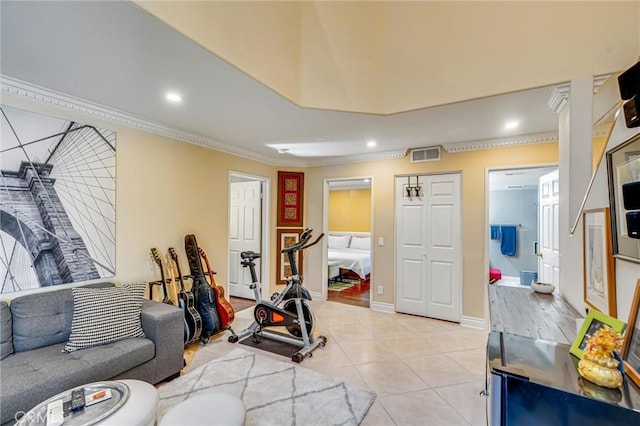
524,312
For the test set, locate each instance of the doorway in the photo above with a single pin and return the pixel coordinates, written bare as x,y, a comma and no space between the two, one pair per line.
348,218
248,198
521,218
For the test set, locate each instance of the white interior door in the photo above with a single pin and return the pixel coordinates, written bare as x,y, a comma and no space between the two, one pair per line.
428,250
548,252
244,234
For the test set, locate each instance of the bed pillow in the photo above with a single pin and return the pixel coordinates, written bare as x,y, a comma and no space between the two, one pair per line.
105,315
361,243
339,241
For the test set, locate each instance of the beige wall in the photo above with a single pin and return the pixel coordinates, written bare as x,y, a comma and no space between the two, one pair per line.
473,165
350,210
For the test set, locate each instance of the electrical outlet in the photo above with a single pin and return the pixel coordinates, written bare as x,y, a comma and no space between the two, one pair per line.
380,241
379,289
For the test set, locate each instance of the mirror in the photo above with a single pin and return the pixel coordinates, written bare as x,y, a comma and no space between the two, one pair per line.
623,165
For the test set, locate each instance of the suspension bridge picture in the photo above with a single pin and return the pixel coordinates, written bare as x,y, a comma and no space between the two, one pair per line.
57,201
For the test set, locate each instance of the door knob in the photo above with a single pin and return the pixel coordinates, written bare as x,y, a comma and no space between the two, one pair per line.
539,255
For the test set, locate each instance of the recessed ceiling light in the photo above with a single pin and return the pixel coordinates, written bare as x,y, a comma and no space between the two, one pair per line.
371,143
511,124
173,97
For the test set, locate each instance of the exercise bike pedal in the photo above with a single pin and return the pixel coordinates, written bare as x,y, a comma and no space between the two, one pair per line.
274,296
233,338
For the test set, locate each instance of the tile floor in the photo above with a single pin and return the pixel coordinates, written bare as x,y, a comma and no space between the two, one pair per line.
424,371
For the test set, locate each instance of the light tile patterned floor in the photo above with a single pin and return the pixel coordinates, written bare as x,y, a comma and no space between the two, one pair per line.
425,371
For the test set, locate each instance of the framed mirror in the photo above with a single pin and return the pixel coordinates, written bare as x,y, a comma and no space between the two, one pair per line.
623,166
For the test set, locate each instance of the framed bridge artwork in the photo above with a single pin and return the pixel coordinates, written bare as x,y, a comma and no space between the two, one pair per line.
57,201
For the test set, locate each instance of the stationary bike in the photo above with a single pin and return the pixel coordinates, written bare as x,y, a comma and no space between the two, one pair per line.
288,309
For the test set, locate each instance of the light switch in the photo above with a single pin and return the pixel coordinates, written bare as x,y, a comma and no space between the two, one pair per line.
380,241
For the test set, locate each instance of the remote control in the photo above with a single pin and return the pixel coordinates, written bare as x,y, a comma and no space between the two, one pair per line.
77,400
55,415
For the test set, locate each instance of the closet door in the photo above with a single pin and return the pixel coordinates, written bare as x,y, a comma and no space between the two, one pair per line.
428,250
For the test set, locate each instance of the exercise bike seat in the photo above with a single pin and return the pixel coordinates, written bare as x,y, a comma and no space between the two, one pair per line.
249,255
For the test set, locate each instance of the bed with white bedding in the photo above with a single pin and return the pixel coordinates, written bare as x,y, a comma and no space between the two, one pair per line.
349,251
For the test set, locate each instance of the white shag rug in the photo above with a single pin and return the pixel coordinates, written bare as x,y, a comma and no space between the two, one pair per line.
273,392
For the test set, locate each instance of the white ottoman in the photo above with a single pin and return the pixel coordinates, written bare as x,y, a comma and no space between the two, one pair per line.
215,409
140,409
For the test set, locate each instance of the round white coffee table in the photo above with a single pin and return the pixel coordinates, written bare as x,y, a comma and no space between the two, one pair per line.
140,408
133,402
210,409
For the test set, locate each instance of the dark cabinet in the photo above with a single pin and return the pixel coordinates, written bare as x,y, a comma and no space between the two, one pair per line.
536,382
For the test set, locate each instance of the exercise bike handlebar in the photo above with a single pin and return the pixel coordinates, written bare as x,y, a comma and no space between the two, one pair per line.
302,244
313,243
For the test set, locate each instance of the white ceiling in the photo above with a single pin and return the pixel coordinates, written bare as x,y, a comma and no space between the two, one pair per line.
116,55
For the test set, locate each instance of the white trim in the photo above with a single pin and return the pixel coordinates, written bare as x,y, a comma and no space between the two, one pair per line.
18,88
561,94
387,308
532,138
316,295
558,98
473,322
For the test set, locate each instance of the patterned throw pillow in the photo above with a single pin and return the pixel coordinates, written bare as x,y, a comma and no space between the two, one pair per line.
104,315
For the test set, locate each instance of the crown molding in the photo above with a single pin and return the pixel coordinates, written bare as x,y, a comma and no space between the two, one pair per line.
560,95
532,138
558,98
21,89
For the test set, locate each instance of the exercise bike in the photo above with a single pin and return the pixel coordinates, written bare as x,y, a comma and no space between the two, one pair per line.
294,313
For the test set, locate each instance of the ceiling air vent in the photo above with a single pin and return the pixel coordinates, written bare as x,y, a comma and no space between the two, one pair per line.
425,154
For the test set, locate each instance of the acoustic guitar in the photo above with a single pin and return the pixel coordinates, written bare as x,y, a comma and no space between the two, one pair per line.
224,308
158,259
171,277
186,301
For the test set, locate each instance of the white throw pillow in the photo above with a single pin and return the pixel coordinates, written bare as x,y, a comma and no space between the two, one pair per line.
104,315
361,243
339,241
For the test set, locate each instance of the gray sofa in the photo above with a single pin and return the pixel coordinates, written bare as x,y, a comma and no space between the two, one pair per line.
35,328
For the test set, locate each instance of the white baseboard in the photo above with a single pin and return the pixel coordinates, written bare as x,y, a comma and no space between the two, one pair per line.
317,296
473,322
388,308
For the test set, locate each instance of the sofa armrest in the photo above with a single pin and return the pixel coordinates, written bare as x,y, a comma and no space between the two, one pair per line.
164,325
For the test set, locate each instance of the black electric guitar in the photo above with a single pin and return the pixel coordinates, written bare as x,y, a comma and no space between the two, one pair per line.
186,301
158,259
204,296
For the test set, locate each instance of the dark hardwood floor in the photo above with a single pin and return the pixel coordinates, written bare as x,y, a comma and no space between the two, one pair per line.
239,303
357,295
